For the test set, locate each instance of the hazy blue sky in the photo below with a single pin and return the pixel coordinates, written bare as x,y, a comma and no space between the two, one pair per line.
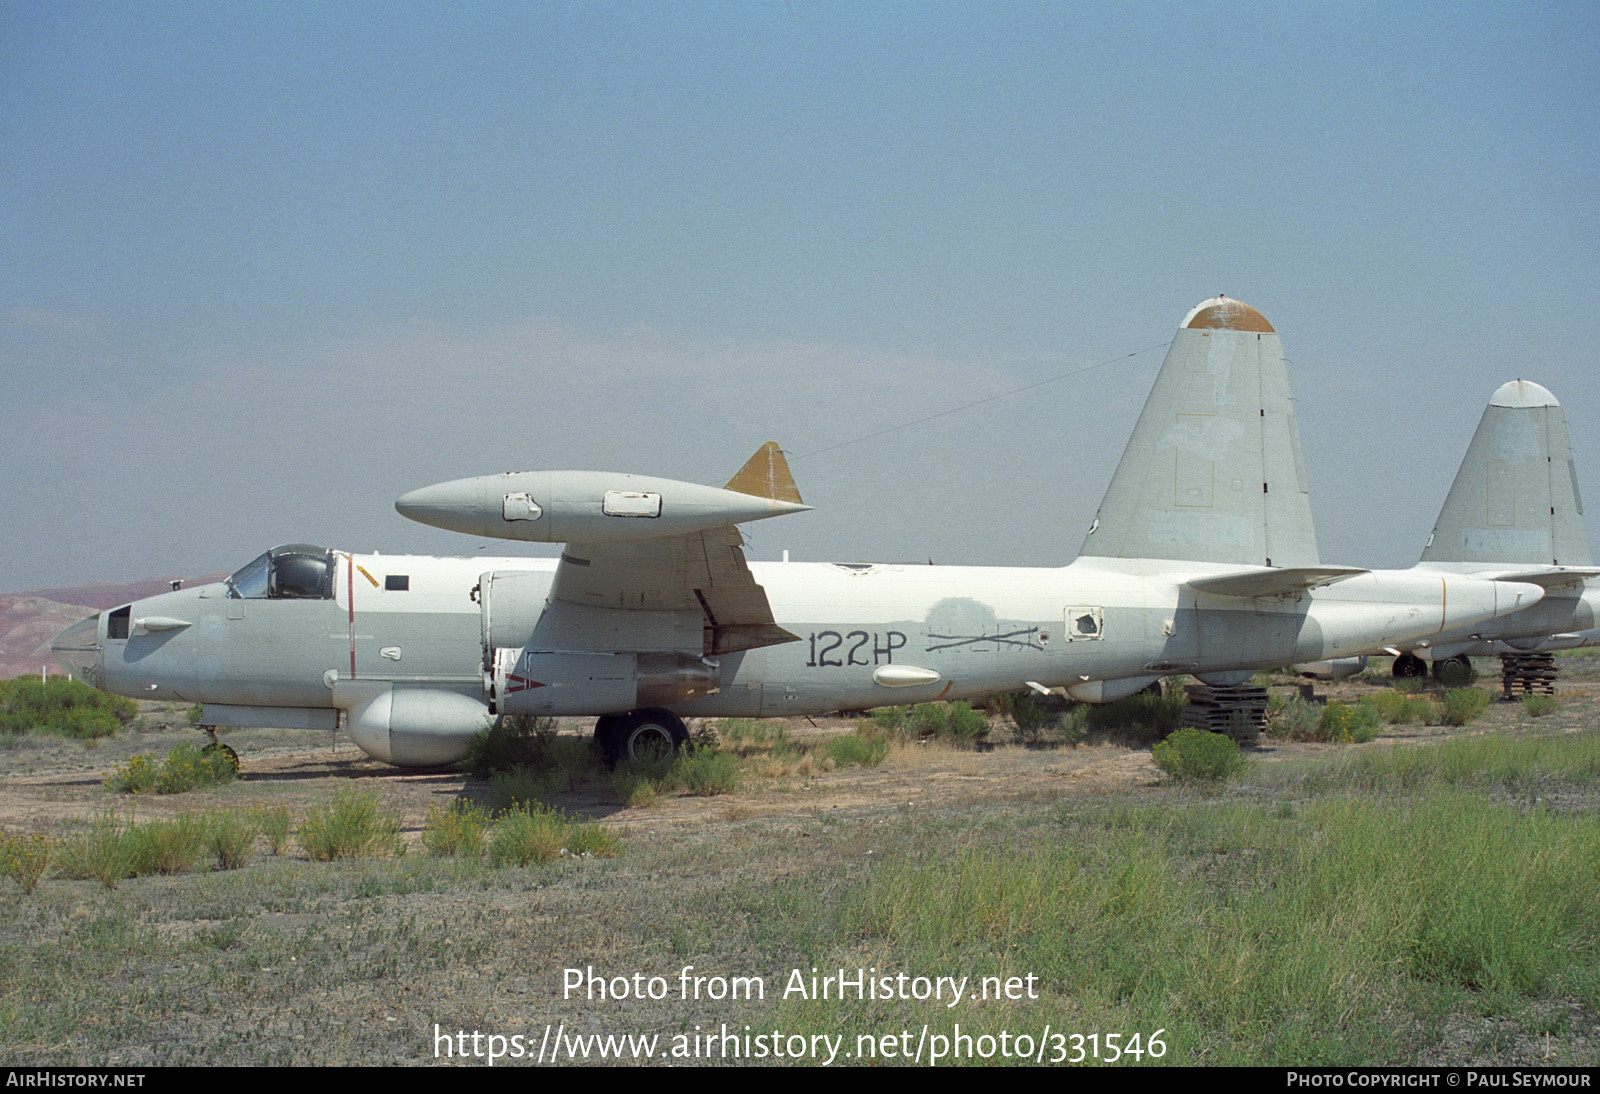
265,267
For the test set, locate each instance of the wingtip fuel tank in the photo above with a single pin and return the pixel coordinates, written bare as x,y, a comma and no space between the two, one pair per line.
583,506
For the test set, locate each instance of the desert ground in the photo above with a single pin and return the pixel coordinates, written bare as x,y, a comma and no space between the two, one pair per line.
373,961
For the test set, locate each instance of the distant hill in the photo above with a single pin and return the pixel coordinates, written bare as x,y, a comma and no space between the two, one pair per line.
104,594
30,620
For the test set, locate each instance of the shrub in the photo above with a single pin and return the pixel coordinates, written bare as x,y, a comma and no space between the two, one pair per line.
1137,719
187,767
64,707
589,838
1400,708
540,834
1027,711
273,822
1198,754
891,719
1537,706
229,837
635,787
462,829
107,852
25,858
354,825
528,835
1458,706
856,749
523,786
952,723
168,846
516,740
1348,723
1292,717
706,774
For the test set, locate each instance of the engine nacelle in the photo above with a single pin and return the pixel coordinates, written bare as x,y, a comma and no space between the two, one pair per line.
600,682
416,727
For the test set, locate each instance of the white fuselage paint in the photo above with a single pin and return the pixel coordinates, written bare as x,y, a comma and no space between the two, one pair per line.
978,630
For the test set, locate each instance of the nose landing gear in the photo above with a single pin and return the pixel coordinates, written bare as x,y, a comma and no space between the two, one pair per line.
214,747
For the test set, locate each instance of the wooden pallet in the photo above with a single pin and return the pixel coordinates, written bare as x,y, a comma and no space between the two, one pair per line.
1239,712
1529,672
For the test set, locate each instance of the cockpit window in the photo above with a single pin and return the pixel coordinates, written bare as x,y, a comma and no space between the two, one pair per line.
295,571
250,583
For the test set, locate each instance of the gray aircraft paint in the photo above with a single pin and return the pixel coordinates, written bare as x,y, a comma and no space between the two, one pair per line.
1514,508
1173,580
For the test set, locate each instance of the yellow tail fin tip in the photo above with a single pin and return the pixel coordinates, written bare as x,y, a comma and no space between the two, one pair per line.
766,475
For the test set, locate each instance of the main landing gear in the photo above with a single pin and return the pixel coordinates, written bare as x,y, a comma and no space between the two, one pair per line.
1408,666
650,738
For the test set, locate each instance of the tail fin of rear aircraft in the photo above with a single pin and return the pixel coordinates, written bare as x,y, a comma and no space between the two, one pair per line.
1515,499
1213,471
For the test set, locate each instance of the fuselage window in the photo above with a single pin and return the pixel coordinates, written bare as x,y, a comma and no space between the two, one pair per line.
397,583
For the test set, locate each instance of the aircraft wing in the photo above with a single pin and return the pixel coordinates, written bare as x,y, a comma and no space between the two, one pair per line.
704,572
669,551
1284,581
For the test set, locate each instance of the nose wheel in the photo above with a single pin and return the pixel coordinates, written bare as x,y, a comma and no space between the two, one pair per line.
214,747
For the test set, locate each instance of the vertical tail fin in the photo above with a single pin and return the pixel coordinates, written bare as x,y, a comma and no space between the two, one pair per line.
1515,499
1213,471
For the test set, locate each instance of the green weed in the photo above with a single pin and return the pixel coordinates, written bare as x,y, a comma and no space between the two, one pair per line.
1196,754
857,749
1458,706
526,835
63,707
230,835
353,825
25,858
705,774
462,829
187,767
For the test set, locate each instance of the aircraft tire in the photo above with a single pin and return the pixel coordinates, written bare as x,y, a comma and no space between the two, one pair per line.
647,737
226,750
1460,664
1408,666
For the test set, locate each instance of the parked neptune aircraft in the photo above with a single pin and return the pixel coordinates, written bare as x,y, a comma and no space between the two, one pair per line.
1514,511
1201,560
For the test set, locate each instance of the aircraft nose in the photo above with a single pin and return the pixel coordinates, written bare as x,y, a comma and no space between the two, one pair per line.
77,649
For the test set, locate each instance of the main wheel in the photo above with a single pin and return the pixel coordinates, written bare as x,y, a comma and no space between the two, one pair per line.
650,738
1409,666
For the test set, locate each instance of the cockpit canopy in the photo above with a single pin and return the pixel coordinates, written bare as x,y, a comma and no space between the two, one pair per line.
294,571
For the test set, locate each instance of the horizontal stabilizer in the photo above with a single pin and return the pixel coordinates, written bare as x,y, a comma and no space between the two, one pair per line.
1284,581
1549,577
